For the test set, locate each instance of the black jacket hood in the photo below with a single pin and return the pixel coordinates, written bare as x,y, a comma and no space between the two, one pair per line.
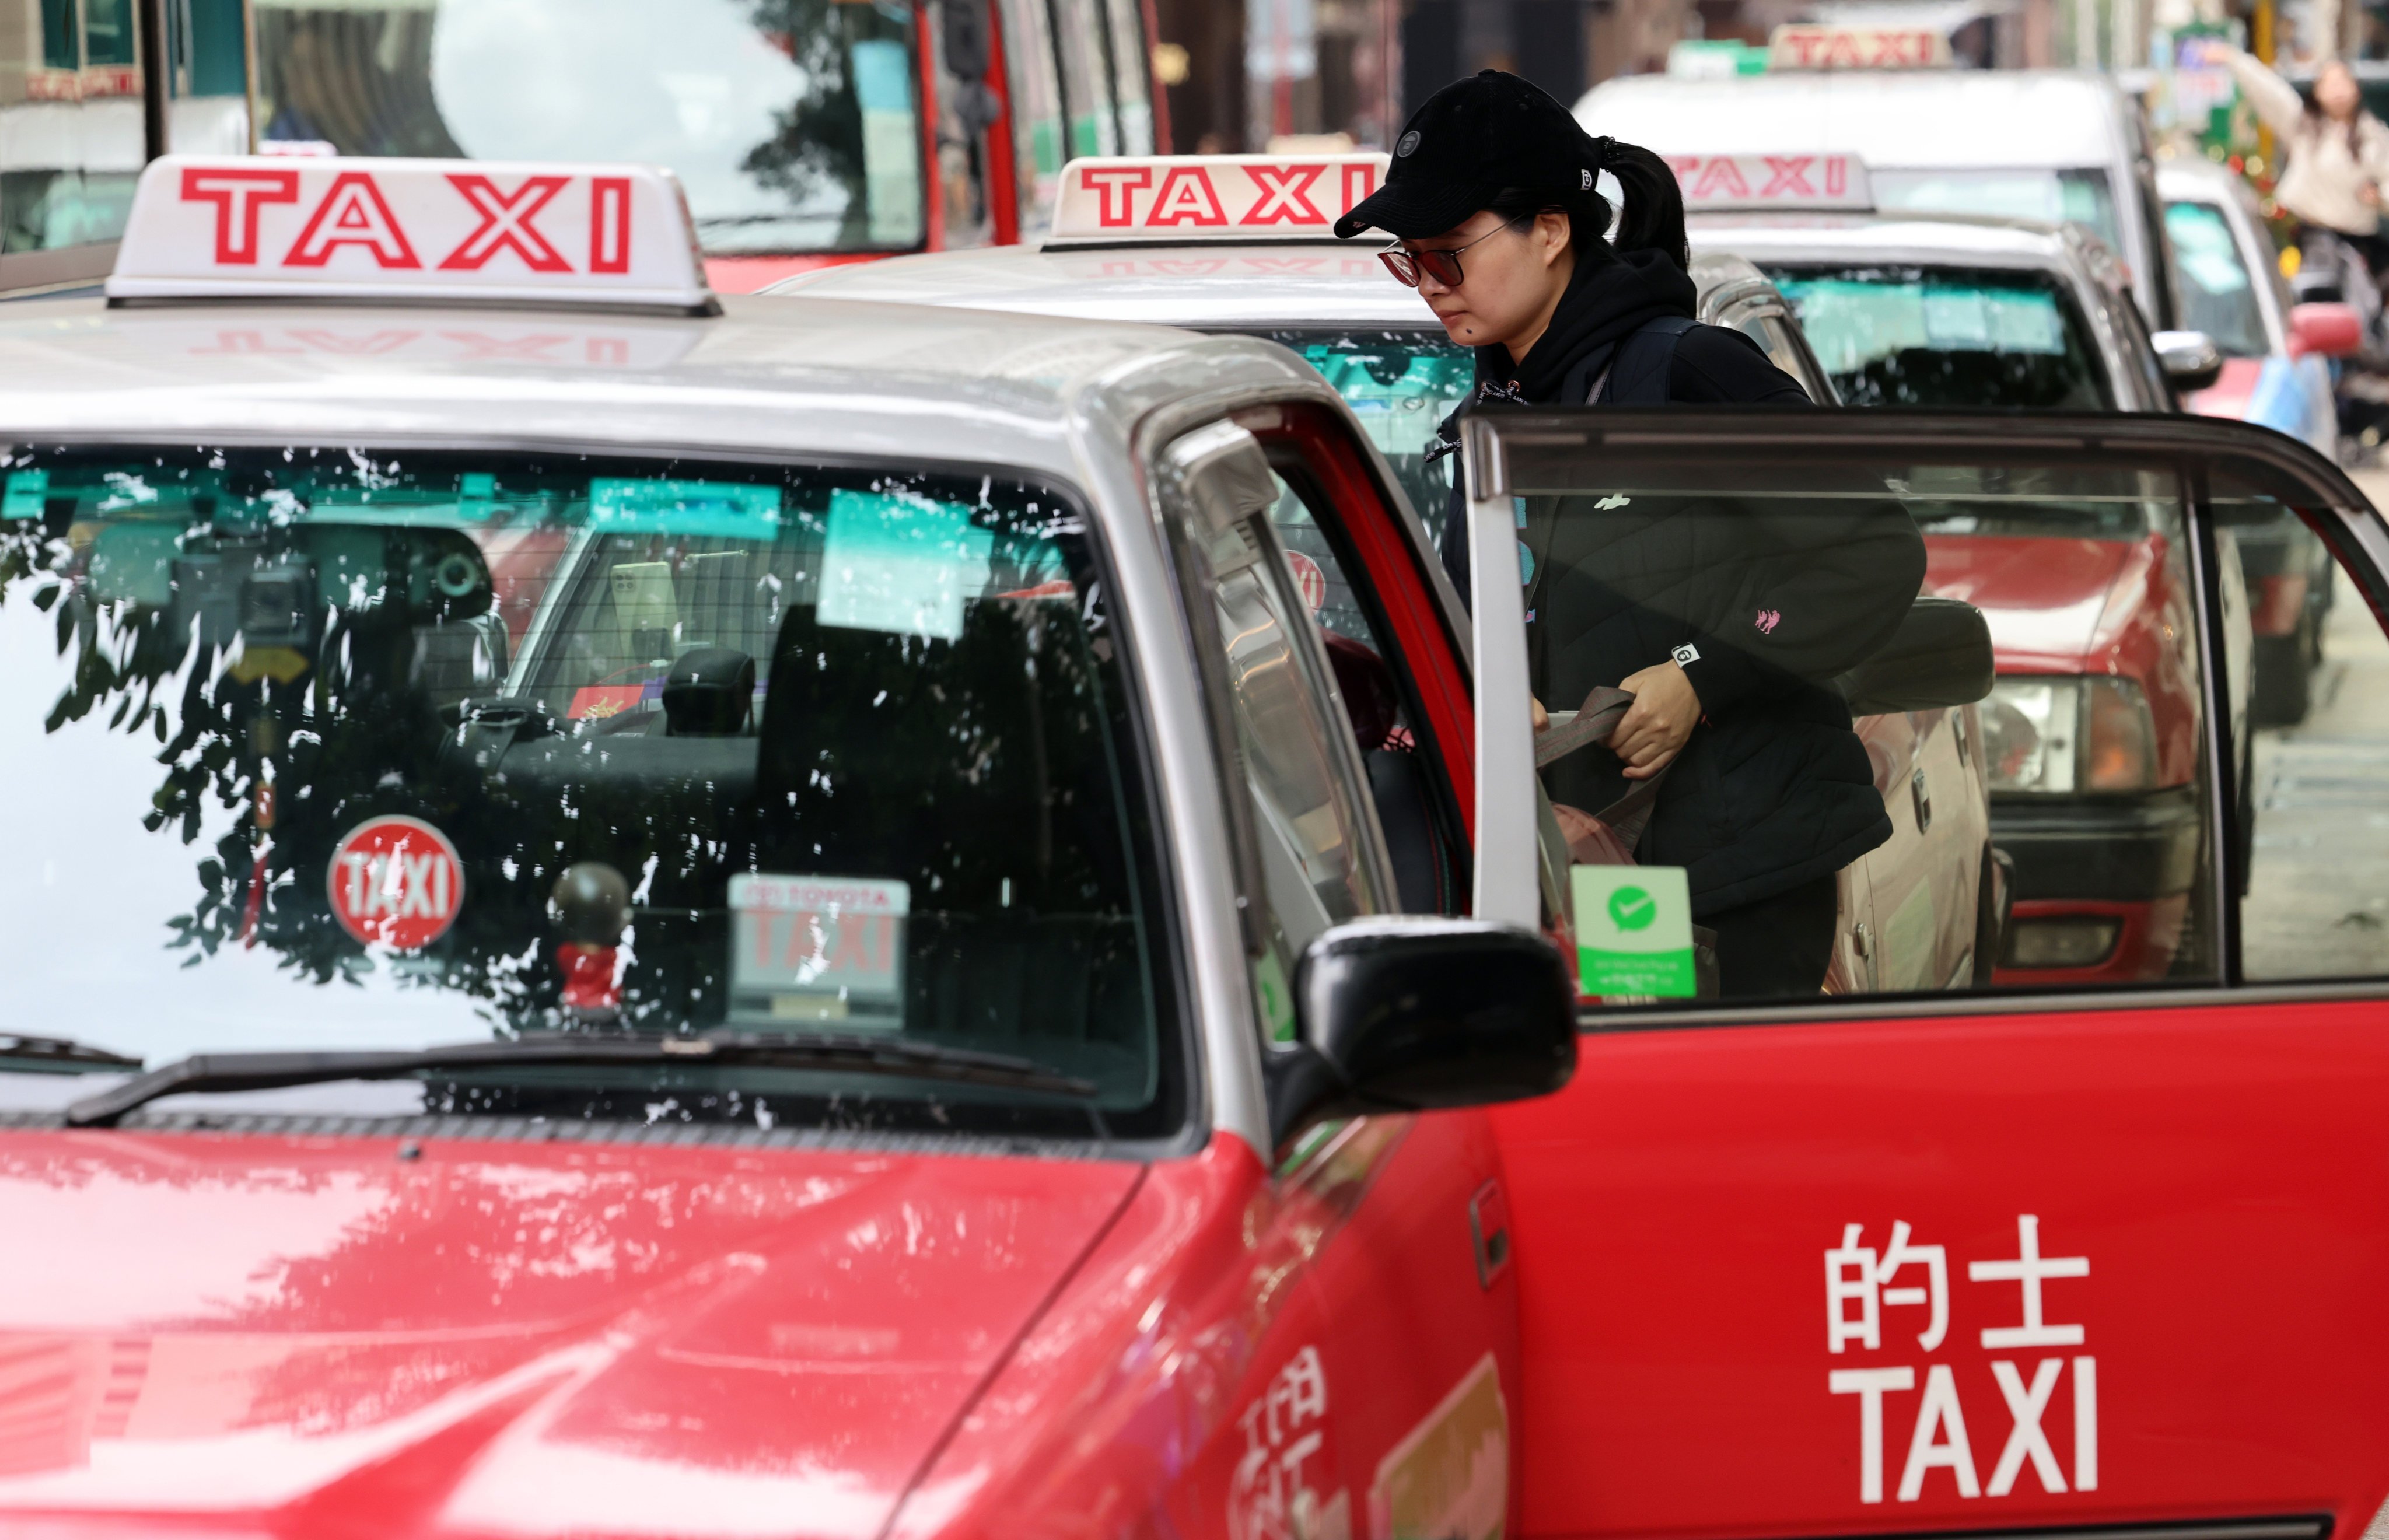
1612,294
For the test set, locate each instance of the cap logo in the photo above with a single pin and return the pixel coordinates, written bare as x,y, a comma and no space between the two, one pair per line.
1408,143
1588,179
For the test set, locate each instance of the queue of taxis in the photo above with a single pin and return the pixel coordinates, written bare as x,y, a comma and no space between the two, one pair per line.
1246,244
649,916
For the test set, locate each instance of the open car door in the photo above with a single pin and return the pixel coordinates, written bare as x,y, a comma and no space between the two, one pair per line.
2093,1235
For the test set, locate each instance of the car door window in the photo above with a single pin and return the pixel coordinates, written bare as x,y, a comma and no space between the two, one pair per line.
1314,838
2043,822
2317,753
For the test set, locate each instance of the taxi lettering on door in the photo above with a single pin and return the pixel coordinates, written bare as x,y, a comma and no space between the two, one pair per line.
1873,1294
388,228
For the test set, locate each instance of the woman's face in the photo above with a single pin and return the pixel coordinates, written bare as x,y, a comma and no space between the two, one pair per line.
2336,92
1510,278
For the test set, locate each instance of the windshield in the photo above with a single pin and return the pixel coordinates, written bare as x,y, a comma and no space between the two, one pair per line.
367,752
792,123
2080,198
1946,337
2217,296
1401,384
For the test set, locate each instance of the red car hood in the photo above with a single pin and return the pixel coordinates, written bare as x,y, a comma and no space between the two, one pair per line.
2048,600
317,1336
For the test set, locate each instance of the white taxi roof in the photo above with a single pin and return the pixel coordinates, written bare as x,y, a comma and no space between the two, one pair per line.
483,232
1893,119
1933,239
1208,287
818,377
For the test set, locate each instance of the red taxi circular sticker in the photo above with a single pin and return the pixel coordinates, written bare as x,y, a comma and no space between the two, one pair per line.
1309,578
396,882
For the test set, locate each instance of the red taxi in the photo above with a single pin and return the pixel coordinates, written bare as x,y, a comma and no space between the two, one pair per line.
944,1054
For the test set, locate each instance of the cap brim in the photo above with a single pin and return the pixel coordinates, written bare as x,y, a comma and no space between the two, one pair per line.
1412,210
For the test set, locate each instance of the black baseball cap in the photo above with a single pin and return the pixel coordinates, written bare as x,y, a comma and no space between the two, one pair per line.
1464,145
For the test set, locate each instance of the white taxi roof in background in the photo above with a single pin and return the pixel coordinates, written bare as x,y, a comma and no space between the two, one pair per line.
445,232
1183,200
1790,183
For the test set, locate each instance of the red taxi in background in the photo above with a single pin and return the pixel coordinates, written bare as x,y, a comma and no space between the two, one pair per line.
948,1053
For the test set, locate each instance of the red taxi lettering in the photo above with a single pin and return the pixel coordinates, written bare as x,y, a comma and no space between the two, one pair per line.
1788,176
1360,180
239,197
1117,186
1186,198
609,224
350,345
396,882
505,223
1859,1286
1719,178
353,213
1285,196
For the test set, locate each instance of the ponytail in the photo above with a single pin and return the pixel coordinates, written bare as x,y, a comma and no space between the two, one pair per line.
1654,217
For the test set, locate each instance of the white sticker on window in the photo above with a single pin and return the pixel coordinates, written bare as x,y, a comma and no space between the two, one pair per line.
900,562
818,948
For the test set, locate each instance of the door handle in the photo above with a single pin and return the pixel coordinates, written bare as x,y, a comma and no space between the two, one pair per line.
1489,1231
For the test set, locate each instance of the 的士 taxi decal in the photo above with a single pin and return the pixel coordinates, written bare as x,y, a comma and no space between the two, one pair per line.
249,227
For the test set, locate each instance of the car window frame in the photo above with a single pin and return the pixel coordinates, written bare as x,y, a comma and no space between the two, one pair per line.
2356,532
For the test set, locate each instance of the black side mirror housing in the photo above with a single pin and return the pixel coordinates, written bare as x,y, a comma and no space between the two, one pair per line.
1940,656
1411,1014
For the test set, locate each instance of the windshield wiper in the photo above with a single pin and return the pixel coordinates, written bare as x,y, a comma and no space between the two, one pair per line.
847,1053
57,1055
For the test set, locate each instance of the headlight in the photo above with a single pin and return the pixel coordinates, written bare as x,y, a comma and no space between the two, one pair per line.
2058,735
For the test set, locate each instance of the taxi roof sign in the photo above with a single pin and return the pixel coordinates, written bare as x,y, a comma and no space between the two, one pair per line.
255,227
1765,183
1181,199
1819,46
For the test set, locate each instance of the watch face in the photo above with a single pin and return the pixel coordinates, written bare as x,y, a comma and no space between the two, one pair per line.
1687,653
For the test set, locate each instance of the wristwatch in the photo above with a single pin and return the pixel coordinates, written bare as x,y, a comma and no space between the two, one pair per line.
1686,656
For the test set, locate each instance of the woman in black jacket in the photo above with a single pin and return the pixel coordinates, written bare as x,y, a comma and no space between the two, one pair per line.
1726,619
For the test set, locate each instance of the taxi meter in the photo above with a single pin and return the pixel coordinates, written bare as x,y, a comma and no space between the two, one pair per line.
251,227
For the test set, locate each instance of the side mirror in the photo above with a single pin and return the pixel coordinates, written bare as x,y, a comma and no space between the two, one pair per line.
1411,1015
1940,656
2326,328
2190,360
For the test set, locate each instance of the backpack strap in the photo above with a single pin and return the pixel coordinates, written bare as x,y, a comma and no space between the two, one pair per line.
1638,374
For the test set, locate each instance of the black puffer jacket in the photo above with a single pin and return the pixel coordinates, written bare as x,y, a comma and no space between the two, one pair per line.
1773,789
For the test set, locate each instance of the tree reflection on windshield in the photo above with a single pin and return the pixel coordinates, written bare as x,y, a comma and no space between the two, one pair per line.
655,751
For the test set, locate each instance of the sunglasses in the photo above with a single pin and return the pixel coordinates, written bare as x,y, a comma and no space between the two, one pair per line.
1441,266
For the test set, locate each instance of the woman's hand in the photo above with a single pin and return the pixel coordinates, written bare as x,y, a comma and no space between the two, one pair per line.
1665,708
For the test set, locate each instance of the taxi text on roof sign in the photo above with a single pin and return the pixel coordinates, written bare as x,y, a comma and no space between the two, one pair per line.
480,231
1814,45
1762,182
1179,198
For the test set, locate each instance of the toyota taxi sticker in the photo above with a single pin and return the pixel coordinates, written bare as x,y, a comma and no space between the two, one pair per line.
396,882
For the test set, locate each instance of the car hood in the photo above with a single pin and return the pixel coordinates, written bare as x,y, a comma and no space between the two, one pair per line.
489,1339
2047,601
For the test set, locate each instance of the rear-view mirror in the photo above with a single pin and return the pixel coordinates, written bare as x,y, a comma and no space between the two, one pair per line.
1940,656
2190,360
1409,1014
2326,328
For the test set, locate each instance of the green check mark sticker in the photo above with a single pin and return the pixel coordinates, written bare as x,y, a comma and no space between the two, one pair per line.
1633,931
